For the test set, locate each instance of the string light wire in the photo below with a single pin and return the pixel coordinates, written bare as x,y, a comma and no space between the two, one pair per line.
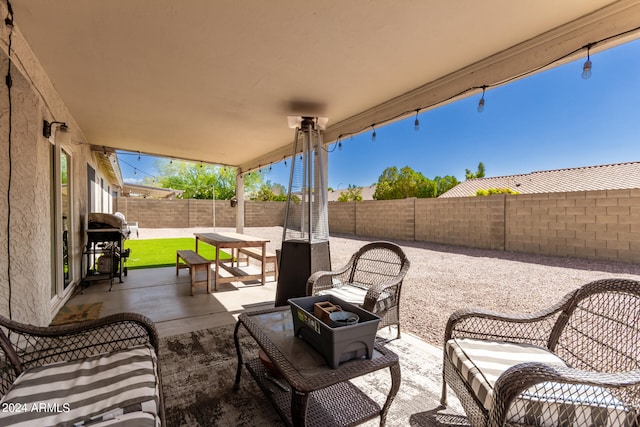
491,85
8,21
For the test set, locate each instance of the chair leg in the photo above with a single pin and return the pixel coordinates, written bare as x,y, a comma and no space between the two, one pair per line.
443,398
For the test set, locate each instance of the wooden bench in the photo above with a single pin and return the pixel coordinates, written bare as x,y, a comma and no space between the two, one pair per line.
256,253
193,262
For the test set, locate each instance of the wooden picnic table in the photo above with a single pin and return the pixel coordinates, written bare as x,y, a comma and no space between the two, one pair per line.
233,241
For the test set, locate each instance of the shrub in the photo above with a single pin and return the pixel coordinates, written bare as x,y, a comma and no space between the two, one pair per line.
490,191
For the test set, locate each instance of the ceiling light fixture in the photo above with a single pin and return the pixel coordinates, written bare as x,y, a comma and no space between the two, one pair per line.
373,135
586,68
46,127
481,103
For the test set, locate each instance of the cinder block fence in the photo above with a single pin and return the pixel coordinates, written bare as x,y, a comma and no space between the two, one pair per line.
585,224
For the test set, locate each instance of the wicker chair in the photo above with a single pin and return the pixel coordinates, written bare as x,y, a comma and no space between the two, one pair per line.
576,363
372,279
93,372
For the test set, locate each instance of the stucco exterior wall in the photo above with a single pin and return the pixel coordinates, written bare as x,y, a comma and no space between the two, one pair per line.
26,189
26,262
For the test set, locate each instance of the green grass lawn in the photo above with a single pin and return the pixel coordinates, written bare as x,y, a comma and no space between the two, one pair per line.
153,253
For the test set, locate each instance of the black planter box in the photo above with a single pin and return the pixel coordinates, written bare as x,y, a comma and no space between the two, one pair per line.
338,344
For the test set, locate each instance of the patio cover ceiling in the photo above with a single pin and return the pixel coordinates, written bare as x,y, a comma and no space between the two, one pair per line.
214,80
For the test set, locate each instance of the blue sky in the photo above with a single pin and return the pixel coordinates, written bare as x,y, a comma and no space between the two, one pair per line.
550,120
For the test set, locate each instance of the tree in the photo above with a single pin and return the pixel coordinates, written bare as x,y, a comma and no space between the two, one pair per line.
351,193
198,180
479,173
394,184
271,192
445,183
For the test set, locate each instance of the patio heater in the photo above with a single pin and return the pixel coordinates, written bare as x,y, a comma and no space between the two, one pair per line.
305,237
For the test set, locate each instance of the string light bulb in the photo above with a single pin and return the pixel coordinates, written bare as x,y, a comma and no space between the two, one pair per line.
373,135
586,68
481,103
416,123
339,145
138,156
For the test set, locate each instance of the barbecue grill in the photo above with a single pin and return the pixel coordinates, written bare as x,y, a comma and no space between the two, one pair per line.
103,256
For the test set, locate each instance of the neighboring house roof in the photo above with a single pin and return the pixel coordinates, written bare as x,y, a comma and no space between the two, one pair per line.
367,193
602,177
144,191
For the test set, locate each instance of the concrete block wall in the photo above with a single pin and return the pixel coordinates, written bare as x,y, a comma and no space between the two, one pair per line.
154,213
264,214
590,224
342,217
469,221
388,219
201,213
587,224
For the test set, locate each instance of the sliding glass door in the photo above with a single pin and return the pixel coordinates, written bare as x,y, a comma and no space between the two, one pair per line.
61,223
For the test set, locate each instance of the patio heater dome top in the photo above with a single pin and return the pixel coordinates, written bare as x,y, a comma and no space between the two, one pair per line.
298,121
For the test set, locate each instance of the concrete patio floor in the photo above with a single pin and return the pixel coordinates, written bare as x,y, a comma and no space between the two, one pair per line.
165,298
440,280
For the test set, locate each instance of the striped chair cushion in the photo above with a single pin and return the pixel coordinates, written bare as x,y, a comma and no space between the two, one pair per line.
481,362
576,405
354,294
109,388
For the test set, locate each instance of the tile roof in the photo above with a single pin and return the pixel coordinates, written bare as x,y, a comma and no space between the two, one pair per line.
601,177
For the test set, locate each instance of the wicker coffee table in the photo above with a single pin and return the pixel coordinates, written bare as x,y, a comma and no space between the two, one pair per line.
310,392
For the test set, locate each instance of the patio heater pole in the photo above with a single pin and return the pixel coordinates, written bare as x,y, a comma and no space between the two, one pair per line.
305,237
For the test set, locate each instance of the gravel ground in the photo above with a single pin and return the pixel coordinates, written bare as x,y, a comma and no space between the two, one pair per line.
444,278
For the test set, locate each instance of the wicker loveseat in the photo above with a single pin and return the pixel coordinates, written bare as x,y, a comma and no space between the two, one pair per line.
100,372
575,364
371,279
